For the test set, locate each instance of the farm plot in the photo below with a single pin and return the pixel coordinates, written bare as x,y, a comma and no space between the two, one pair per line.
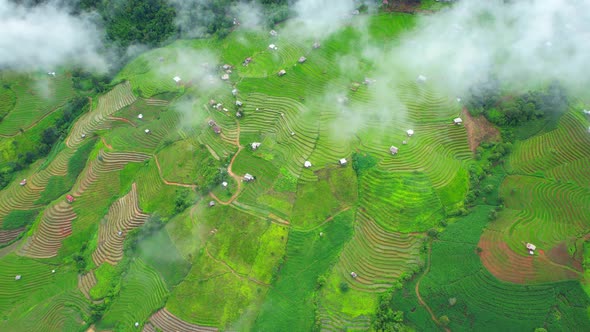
34,98
142,293
96,119
548,205
236,261
288,305
482,302
124,215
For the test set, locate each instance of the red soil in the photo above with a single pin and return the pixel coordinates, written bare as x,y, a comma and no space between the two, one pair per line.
479,129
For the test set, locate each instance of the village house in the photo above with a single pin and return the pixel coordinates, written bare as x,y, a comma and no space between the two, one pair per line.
307,164
23,182
457,121
248,177
302,59
70,198
255,145
410,132
282,72
225,77
393,150
147,131
342,161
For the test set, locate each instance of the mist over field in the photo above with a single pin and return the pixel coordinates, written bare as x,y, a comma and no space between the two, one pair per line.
524,43
47,36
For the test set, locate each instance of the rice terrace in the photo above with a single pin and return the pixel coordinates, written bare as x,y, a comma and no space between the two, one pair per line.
278,165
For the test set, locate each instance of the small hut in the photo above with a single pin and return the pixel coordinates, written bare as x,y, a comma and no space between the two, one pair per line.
225,77
238,114
273,47
410,132
211,123
23,182
70,198
307,164
211,203
421,79
226,67
342,161
177,79
531,246
212,102
120,233
140,116
457,121
234,92
248,177
282,72
52,271
393,150
274,33
354,275
216,129
302,59
136,324
255,145
17,277
239,103
587,112
404,142
51,73
316,45
147,131
247,61
83,135
224,184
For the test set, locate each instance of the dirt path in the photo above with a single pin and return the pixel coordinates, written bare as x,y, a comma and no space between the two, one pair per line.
422,303
122,119
329,219
105,143
236,177
170,182
234,272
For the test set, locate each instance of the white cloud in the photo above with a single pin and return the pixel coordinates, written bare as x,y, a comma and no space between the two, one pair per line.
47,36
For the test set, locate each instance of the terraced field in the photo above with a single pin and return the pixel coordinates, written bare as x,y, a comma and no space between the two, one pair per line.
534,203
34,99
165,231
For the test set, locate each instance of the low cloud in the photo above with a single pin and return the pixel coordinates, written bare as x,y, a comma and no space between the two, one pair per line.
523,43
46,36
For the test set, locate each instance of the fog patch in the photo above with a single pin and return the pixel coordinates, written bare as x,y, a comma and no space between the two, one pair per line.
47,36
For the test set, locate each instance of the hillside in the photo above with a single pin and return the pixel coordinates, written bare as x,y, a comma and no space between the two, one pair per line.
224,184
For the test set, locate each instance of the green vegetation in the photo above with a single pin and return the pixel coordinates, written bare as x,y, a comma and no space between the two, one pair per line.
163,229
289,305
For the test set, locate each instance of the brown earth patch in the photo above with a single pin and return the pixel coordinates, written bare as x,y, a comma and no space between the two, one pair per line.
479,129
560,255
520,268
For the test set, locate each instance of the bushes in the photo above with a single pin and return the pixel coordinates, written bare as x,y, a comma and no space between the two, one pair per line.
19,218
362,162
513,110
